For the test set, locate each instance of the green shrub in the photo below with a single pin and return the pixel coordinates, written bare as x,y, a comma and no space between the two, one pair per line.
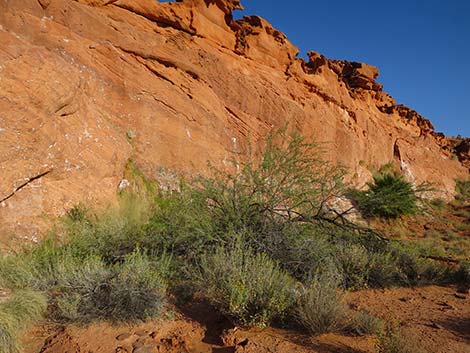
242,240
290,183
301,249
181,224
111,235
32,268
353,263
462,188
383,270
364,323
84,287
392,340
401,265
262,202
388,196
307,249
248,287
88,290
392,264
414,269
23,308
319,306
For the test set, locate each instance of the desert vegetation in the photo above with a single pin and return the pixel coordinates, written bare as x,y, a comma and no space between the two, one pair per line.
263,244
389,195
23,308
392,340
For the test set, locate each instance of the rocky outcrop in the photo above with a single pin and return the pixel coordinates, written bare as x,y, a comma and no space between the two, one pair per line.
361,78
462,150
87,85
456,147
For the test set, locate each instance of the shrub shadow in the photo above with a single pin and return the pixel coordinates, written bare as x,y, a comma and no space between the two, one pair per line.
458,326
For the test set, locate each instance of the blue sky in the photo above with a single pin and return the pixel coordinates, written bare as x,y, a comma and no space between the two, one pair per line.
422,47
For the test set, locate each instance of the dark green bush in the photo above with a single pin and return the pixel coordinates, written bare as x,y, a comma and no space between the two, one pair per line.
384,270
181,224
248,287
462,275
388,196
300,248
399,265
413,269
306,250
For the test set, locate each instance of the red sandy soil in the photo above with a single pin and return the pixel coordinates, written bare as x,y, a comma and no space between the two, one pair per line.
438,318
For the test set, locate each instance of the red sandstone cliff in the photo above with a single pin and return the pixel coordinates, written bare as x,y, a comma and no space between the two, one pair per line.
86,85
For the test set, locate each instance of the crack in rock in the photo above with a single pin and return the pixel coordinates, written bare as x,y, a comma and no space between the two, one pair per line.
28,181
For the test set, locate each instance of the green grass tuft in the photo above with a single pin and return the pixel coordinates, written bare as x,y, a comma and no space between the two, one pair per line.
23,308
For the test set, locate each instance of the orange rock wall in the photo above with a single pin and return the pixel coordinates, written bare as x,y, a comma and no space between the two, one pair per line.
86,85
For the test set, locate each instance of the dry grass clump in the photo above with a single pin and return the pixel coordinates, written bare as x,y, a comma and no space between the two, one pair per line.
250,288
319,307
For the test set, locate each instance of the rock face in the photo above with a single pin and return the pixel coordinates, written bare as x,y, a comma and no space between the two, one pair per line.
457,146
87,85
461,148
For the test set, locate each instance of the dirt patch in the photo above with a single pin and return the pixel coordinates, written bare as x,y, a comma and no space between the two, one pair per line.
438,317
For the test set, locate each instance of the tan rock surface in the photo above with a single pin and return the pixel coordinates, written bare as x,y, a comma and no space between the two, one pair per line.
188,84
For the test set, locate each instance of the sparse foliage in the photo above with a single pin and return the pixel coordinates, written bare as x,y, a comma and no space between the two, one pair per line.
262,244
91,290
290,183
364,323
392,340
248,287
319,307
462,189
